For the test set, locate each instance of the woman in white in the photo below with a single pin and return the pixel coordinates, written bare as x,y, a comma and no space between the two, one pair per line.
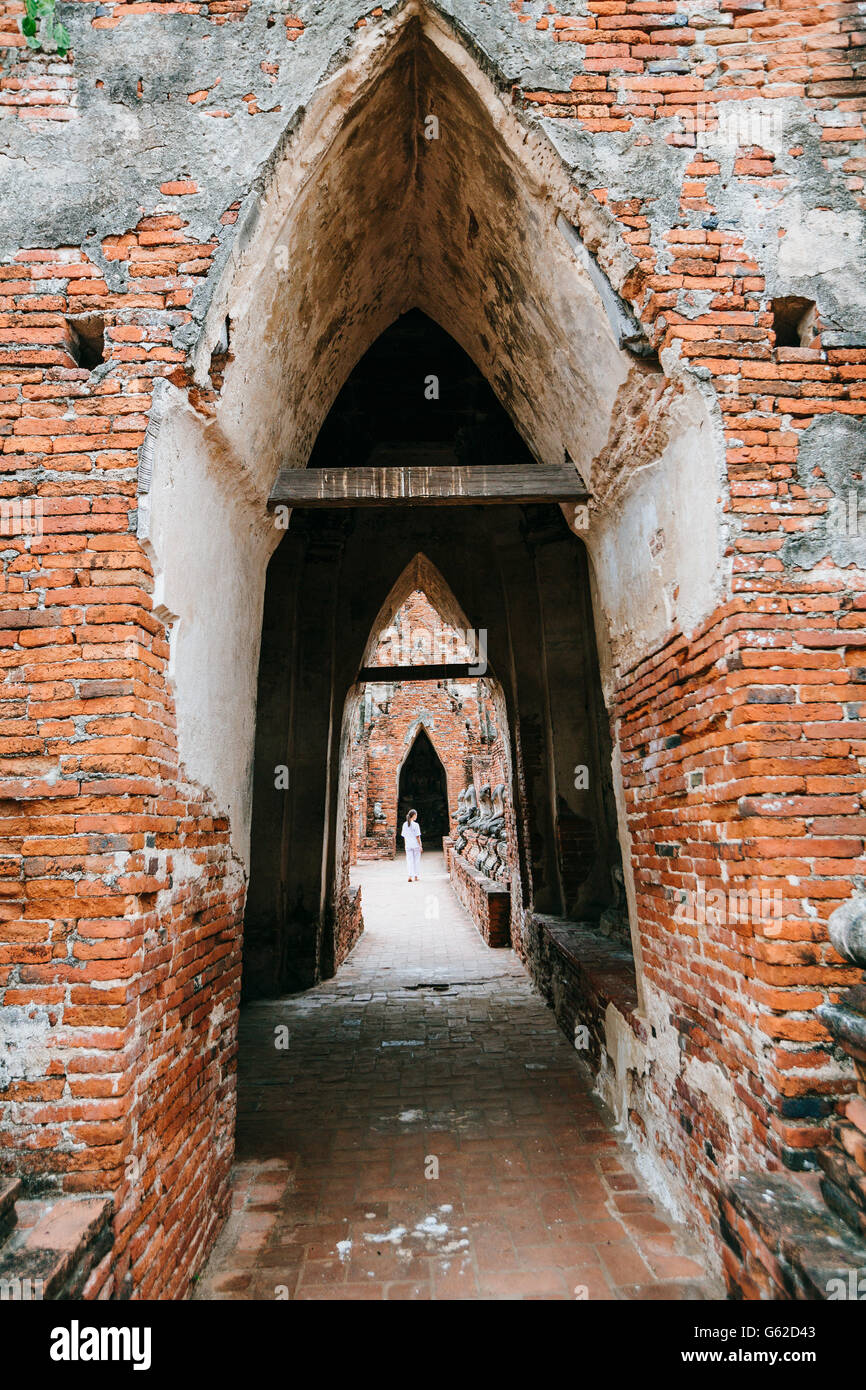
411,833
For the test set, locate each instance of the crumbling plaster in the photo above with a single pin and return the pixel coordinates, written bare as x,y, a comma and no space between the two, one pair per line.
637,1077
803,228
209,542
346,218
832,460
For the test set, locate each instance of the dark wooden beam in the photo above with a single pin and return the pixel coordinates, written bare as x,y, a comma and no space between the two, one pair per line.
431,485
454,672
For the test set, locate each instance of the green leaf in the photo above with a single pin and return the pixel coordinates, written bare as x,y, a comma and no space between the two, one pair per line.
61,37
32,8
31,42
28,26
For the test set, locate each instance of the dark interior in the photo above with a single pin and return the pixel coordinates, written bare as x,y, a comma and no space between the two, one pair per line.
387,413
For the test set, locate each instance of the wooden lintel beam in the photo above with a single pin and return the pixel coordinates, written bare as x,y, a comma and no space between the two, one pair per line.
452,672
428,485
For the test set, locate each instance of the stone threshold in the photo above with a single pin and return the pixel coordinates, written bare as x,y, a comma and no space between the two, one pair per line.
781,1242
53,1247
580,973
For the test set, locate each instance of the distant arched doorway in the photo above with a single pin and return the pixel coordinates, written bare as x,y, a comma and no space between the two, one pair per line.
422,785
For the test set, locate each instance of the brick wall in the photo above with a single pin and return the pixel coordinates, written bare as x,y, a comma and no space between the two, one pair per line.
639,63
581,974
781,1243
762,705
123,902
350,924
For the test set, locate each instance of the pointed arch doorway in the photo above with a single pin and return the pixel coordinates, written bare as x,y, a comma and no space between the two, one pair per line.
367,241
422,785
469,230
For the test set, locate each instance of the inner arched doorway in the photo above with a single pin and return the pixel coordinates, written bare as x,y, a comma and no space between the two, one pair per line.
423,786
511,574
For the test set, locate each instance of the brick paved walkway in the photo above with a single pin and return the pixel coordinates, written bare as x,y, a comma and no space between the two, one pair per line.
428,1048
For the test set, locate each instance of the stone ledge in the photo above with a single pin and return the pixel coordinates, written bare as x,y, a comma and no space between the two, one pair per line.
10,1191
487,902
580,973
56,1245
843,1184
781,1242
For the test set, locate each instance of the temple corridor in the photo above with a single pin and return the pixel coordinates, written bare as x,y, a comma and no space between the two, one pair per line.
430,1053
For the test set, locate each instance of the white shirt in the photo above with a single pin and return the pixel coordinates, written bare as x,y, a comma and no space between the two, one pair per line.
411,834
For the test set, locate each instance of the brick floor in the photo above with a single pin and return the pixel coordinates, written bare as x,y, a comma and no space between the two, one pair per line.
429,1050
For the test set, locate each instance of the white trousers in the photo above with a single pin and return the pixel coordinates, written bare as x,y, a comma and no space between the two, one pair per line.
413,859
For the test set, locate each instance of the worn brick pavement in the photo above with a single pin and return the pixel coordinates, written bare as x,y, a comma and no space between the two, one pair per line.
430,1049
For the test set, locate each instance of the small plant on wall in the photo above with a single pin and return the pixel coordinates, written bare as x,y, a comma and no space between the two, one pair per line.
42,29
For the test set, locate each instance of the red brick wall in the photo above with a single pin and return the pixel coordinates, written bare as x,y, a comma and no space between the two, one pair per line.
350,924
122,902
765,699
810,52
391,738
